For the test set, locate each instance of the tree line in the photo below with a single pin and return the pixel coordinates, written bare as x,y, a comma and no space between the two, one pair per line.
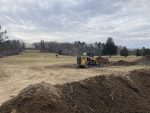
12,47
98,48
9,47
77,48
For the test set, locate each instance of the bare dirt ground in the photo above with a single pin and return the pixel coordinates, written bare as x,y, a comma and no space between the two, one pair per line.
17,72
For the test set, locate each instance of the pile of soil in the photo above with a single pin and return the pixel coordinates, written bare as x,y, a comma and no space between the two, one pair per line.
146,58
102,60
38,98
99,94
123,63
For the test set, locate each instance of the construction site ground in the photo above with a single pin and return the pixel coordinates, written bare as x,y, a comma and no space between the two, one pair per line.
17,72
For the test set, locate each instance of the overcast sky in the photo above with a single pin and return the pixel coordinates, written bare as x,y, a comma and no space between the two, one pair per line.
126,21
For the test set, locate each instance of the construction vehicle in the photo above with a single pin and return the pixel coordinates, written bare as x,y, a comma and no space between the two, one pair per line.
89,60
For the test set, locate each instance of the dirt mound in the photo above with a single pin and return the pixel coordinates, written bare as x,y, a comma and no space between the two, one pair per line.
123,63
99,94
38,98
102,60
146,58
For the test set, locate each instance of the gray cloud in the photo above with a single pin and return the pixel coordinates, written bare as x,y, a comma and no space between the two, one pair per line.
86,20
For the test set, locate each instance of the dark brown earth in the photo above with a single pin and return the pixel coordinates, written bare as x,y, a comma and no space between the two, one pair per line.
146,58
123,63
128,93
102,60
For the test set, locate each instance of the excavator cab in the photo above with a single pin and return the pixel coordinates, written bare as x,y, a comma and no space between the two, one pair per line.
89,54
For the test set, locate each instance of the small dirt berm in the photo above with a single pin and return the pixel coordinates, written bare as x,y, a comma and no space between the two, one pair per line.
89,60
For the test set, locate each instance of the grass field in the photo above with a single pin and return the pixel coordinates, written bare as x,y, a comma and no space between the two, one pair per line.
34,57
16,72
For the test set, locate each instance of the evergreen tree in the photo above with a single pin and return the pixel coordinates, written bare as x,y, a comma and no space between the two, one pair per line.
146,52
110,47
124,52
3,37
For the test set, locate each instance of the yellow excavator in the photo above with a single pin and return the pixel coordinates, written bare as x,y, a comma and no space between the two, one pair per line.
89,60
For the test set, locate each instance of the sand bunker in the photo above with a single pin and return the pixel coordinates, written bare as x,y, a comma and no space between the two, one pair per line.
99,94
